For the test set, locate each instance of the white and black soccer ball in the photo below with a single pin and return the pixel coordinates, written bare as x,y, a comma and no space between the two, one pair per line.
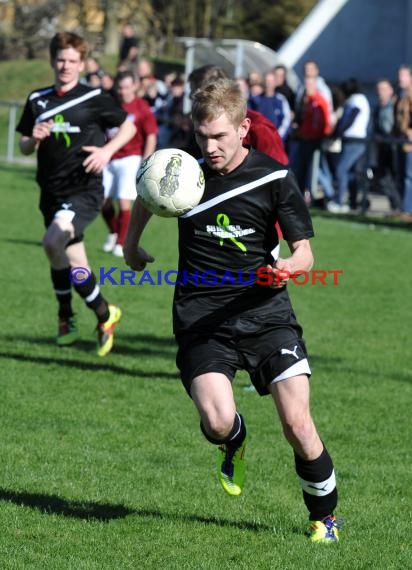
170,182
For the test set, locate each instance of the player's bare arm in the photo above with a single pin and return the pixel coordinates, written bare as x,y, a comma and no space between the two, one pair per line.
135,256
40,132
150,145
301,260
99,157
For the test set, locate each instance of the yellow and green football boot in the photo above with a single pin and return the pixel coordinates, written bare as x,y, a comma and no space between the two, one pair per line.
105,331
325,531
231,468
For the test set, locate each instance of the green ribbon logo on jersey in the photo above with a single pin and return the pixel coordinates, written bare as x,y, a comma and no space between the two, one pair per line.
60,129
223,222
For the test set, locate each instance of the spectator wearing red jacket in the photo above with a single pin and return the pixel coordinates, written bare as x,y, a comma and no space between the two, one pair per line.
264,136
313,123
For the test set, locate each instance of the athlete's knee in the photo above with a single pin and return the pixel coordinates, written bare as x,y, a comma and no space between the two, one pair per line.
217,424
298,428
55,239
53,244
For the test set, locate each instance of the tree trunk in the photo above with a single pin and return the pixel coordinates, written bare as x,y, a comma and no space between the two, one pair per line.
207,19
191,19
170,35
110,27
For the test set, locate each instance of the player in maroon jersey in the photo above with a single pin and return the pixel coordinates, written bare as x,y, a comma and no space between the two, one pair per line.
119,176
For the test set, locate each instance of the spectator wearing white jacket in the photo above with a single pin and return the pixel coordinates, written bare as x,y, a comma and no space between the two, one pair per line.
352,128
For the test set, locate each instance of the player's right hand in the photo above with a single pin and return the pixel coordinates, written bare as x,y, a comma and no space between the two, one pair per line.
136,258
281,271
42,130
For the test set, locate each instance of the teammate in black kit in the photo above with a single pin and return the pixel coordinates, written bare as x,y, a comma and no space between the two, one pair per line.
66,124
227,326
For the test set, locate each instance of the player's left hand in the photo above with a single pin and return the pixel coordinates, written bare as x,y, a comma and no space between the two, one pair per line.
98,158
136,257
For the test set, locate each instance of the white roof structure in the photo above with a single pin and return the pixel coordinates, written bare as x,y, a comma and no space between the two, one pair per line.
236,57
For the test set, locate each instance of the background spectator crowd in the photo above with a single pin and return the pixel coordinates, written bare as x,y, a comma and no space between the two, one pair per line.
341,143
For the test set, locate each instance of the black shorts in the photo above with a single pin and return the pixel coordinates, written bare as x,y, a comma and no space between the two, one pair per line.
263,346
80,209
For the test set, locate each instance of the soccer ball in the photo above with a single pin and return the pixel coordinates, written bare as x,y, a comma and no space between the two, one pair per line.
170,182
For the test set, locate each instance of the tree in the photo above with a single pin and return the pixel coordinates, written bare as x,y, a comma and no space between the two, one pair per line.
110,26
33,26
157,22
271,23
264,21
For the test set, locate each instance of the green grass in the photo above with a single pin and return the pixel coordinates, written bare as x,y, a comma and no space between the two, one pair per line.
102,462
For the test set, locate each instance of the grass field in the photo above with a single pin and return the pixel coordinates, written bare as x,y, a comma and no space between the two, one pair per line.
102,462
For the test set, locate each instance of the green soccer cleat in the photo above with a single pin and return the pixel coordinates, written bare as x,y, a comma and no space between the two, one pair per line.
105,331
231,469
325,531
67,331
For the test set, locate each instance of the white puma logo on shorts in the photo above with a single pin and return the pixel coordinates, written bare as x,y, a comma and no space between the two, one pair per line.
292,352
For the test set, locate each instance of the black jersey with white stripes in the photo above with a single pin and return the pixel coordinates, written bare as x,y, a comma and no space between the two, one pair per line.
227,239
81,116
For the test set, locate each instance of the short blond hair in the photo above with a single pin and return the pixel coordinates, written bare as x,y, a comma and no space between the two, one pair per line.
214,99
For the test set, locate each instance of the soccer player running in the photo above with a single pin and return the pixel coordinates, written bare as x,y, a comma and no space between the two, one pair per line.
224,326
66,124
119,176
